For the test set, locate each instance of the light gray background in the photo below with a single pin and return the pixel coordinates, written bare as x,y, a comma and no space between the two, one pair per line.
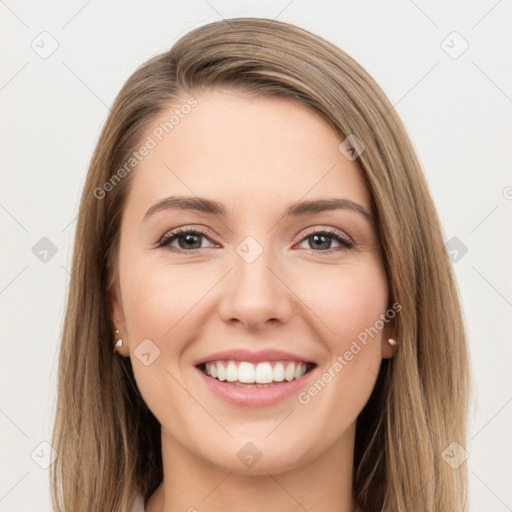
457,111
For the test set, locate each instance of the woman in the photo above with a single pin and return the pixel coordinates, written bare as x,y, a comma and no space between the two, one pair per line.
257,243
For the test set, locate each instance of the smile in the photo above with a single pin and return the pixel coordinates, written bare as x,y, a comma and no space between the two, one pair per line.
262,374
261,384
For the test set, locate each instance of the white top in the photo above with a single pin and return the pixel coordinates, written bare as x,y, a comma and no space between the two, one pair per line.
138,505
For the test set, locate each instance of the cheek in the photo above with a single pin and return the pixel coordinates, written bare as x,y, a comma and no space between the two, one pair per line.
156,300
159,306
347,303
358,297
345,300
164,306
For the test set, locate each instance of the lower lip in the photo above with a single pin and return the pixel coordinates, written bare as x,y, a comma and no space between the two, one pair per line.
254,396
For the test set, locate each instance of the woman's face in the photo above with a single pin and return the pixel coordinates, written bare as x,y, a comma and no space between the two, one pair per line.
248,275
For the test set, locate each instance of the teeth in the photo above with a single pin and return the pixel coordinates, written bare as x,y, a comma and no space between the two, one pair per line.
289,372
231,372
279,372
264,373
298,373
243,372
221,373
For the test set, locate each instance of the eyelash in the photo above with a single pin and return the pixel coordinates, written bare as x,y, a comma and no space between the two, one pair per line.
329,232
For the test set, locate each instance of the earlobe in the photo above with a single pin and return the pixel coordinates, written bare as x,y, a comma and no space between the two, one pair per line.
388,341
118,346
116,314
388,348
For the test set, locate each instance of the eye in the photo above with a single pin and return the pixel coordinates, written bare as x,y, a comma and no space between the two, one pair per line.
190,240
322,240
187,239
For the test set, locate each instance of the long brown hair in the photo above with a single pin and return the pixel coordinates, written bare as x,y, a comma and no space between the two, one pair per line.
108,441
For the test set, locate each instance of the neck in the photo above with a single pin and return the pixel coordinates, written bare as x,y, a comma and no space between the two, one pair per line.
193,484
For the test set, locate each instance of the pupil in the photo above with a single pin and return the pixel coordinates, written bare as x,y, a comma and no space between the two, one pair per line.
327,244
190,240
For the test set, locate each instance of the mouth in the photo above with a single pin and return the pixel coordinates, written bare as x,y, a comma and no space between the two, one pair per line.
256,375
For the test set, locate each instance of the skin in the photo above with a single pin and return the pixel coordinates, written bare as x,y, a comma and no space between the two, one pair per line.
255,155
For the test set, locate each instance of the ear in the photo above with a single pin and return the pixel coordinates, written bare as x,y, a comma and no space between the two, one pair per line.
388,351
116,312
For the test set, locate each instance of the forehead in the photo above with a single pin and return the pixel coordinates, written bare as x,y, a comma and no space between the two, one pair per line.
246,151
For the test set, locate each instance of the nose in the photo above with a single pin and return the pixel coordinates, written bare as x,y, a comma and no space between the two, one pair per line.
255,294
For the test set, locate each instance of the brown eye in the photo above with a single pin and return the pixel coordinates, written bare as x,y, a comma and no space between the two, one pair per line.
321,241
188,240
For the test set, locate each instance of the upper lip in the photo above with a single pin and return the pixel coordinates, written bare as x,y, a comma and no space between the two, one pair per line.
252,356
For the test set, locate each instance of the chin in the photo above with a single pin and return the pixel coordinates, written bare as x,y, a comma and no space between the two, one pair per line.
257,457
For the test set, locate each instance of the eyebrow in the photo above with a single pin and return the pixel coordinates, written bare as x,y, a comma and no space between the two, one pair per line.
295,209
